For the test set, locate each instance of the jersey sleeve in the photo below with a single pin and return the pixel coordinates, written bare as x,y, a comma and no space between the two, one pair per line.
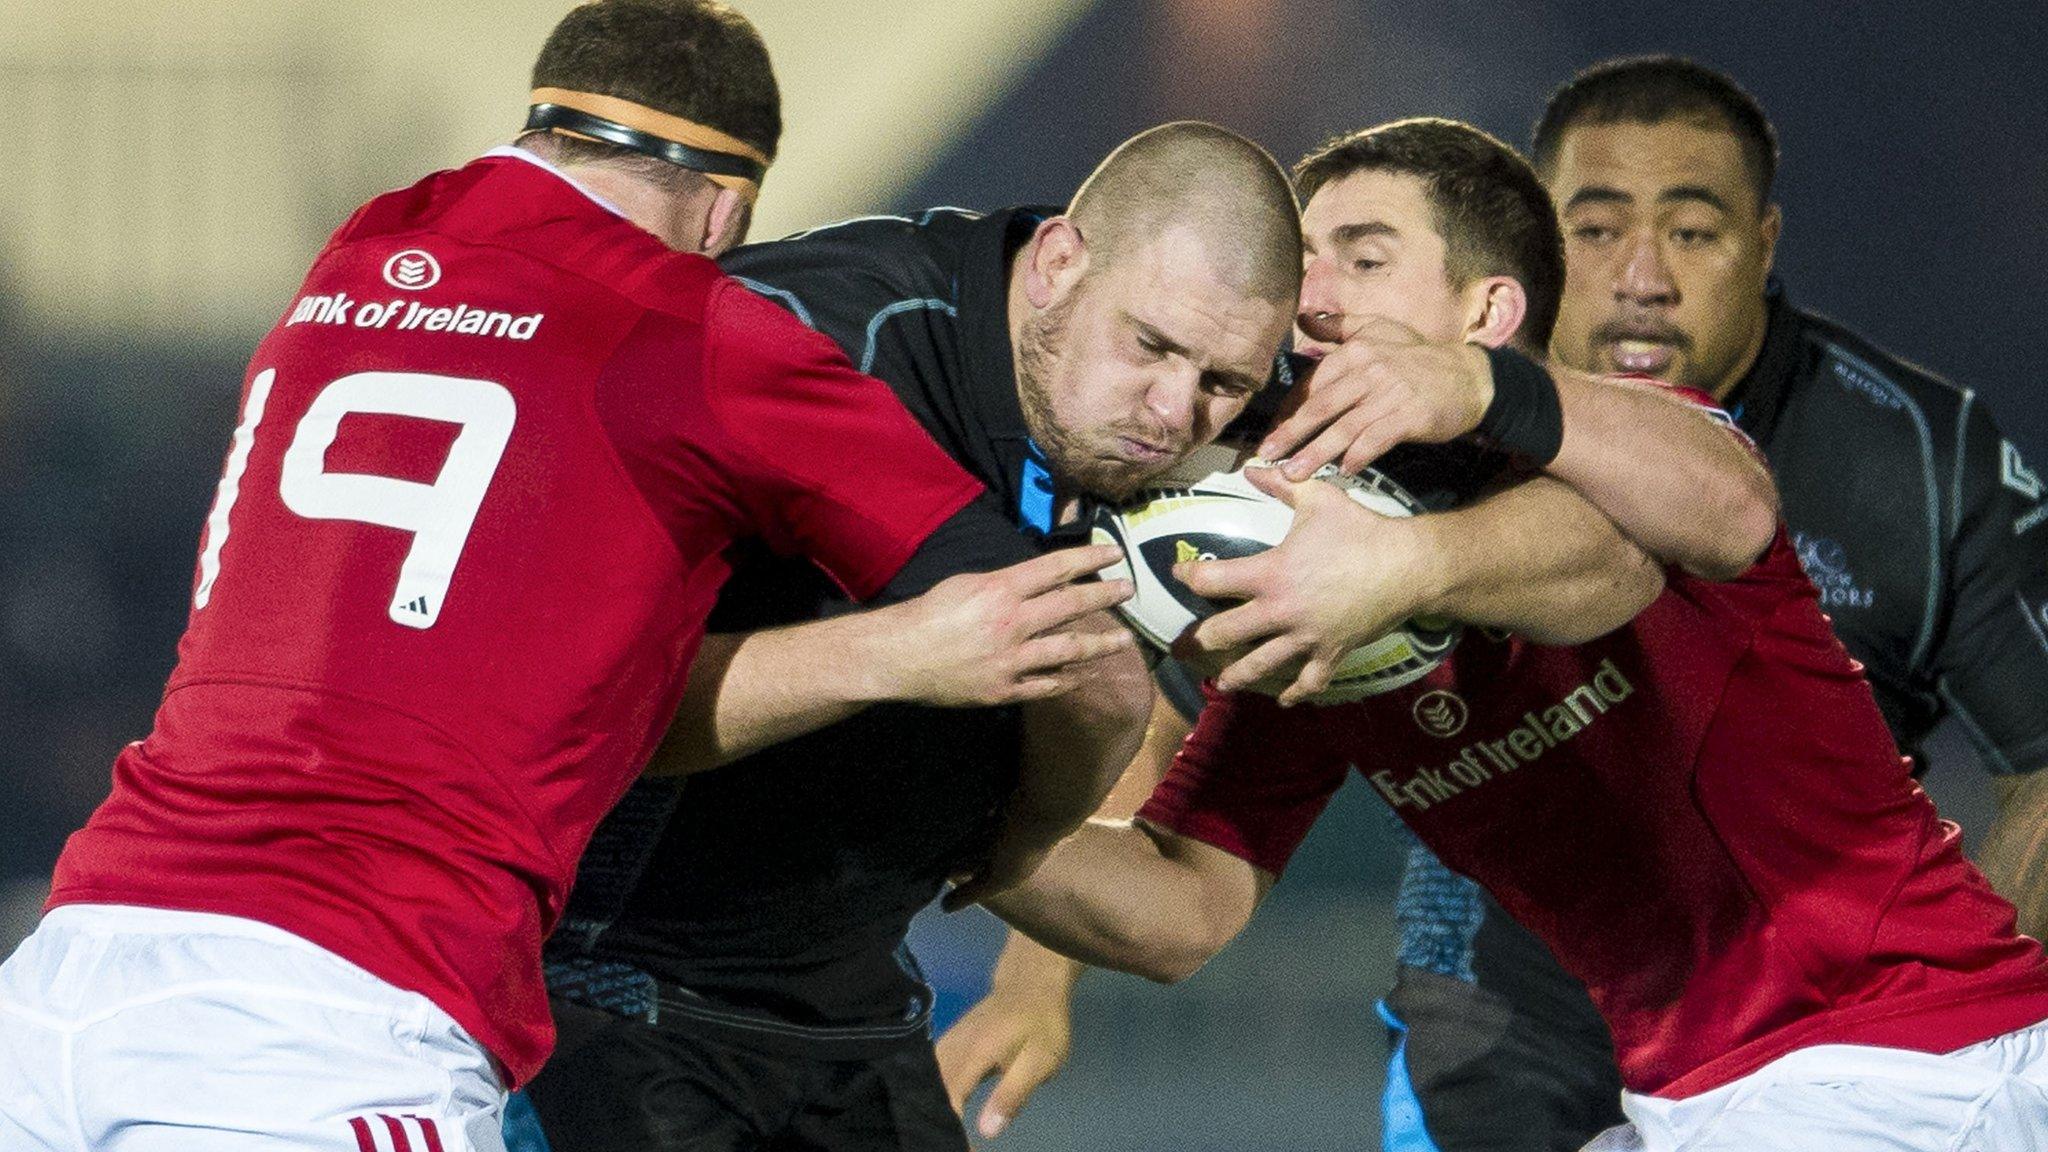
1439,476
1445,476
827,462
1991,662
1251,780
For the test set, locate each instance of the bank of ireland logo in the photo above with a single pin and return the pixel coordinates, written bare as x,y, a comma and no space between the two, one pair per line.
1441,714
413,270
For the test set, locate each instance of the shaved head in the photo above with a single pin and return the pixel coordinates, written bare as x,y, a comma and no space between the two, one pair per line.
1189,177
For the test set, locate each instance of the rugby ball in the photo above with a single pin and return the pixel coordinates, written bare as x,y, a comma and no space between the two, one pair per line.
1205,509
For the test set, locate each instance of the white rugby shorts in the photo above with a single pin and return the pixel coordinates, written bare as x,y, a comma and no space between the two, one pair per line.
1989,1097
138,1030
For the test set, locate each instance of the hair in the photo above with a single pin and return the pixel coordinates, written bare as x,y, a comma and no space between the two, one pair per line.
1494,215
1654,90
1188,174
697,59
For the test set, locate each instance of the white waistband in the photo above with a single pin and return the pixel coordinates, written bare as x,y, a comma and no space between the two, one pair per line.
135,919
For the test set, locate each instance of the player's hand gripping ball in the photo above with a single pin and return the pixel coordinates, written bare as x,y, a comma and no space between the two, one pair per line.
1205,509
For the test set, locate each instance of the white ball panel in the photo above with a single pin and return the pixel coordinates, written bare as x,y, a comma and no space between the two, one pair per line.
1225,503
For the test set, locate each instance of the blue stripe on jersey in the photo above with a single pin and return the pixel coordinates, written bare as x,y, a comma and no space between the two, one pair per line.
609,985
787,297
522,1126
875,322
1860,377
1035,493
1401,1124
1438,912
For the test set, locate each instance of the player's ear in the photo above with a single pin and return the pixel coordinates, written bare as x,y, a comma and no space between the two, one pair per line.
1058,256
1497,306
725,225
1773,224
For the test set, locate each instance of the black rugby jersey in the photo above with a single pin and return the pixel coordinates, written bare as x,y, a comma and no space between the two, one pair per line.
770,898
922,302
1920,524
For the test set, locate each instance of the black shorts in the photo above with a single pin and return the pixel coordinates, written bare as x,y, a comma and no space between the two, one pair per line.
1519,1061
623,1085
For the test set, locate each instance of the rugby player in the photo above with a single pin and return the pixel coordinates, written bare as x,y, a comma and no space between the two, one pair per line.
733,972
1916,519
470,526
1702,814
753,986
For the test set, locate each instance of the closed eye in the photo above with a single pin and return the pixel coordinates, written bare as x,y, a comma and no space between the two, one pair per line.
1230,385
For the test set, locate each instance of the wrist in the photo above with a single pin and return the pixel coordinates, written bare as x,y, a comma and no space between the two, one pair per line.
1430,568
876,665
1030,969
1524,416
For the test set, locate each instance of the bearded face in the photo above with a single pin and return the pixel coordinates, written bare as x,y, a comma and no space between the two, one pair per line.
1138,363
1089,452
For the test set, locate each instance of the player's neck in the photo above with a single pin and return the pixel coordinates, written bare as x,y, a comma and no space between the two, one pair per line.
674,220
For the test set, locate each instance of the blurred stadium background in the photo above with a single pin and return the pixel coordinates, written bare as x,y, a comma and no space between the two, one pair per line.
172,167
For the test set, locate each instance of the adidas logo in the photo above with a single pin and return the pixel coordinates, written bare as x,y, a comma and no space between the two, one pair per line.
419,605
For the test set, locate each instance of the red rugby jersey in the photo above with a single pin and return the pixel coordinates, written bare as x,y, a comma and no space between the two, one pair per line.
1702,814
459,562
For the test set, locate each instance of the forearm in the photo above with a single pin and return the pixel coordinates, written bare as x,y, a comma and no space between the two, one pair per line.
749,691
2014,852
974,640
1030,970
1166,731
1536,559
1108,897
1078,745
1684,488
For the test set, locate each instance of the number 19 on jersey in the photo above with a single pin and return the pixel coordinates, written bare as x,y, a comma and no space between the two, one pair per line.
438,516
